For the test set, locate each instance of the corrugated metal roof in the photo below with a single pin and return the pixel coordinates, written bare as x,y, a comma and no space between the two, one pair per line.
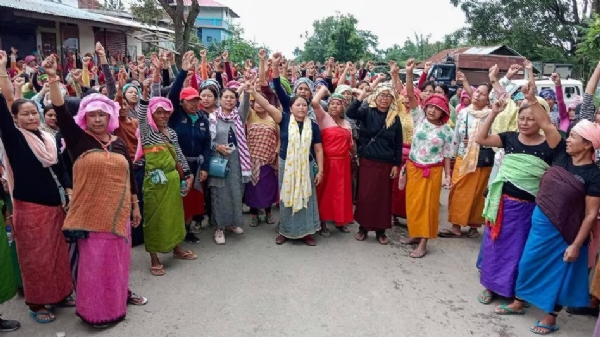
211,3
481,50
64,11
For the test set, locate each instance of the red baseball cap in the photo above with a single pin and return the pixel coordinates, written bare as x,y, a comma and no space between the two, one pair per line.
188,94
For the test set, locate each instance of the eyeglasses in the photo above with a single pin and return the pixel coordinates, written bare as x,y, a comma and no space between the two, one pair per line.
386,96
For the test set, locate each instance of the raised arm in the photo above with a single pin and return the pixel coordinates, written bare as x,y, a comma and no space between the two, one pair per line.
109,78
273,111
482,137
316,104
70,130
410,90
244,107
396,80
283,97
460,76
563,113
540,115
5,85
356,110
177,85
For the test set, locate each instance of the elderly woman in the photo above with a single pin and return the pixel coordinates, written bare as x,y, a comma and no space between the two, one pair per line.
102,170
380,152
300,161
230,143
36,179
553,271
166,167
335,193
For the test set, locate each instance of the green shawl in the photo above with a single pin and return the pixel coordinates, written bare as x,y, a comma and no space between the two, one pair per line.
522,170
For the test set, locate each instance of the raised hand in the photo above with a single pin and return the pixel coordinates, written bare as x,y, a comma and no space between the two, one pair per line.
513,70
499,106
49,66
493,72
460,76
155,61
225,56
3,59
100,49
262,54
86,61
19,81
187,60
410,65
203,53
555,78
77,75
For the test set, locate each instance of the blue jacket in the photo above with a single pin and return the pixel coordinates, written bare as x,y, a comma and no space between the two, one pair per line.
194,138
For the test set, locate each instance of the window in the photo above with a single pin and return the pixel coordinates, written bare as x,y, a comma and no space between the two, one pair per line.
209,39
571,91
69,44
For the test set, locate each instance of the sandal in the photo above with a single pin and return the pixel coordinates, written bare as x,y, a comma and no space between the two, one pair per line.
383,239
417,256
187,255
269,220
157,271
280,239
473,233
551,329
505,310
254,222
446,233
361,235
44,312
343,229
486,297
325,232
135,299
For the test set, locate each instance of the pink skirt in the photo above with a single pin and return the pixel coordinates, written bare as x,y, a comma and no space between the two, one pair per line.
103,277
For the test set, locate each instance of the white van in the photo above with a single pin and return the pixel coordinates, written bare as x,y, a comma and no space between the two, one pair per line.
571,88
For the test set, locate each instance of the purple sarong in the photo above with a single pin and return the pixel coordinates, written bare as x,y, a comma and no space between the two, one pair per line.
265,193
500,260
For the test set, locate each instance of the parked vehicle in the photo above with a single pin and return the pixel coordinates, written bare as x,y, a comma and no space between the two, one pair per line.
571,88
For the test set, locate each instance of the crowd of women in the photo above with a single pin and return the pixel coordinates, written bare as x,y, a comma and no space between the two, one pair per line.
113,154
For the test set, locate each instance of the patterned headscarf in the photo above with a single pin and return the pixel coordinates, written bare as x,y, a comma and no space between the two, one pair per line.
336,96
394,109
548,94
100,102
210,82
341,89
311,85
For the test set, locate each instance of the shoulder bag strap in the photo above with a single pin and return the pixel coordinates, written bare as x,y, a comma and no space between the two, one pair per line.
61,190
372,140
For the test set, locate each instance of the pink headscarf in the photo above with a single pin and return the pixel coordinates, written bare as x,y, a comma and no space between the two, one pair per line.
464,94
153,105
233,85
575,101
95,102
590,132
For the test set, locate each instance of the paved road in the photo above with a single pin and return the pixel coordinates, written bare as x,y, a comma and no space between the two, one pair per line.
252,287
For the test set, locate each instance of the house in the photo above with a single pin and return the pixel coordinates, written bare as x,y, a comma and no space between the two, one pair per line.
474,62
59,26
214,22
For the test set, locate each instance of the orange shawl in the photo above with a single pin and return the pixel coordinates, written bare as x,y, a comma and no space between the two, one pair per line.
101,194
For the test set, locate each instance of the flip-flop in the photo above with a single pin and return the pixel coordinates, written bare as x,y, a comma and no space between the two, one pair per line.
446,233
486,297
254,222
473,233
507,311
325,232
135,299
361,236
342,229
383,239
35,314
551,329
157,271
187,255
417,256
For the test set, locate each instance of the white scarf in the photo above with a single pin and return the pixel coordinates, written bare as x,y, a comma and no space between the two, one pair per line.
296,188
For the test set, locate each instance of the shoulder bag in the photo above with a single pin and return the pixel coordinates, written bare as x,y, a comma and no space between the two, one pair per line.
362,151
486,154
217,167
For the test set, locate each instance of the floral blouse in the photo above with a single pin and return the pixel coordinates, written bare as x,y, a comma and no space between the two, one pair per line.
431,143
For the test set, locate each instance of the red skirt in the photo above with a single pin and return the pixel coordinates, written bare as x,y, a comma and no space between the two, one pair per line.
398,195
193,203
43,252
334,194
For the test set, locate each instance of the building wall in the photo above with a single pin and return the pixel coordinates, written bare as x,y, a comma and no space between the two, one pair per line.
210,13
87,41
134,46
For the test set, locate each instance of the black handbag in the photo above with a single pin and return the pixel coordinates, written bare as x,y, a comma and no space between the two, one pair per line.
486,154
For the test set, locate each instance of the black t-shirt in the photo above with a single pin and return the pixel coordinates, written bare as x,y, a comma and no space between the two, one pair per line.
588,174
512,144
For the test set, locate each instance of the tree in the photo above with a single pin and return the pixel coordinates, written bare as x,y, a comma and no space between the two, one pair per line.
544,30
422,48
183,18
239,48
337,36
148,12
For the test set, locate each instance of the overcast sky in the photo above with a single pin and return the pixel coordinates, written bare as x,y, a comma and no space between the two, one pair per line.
281,22
278,24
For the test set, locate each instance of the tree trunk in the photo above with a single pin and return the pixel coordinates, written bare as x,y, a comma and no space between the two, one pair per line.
596,6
